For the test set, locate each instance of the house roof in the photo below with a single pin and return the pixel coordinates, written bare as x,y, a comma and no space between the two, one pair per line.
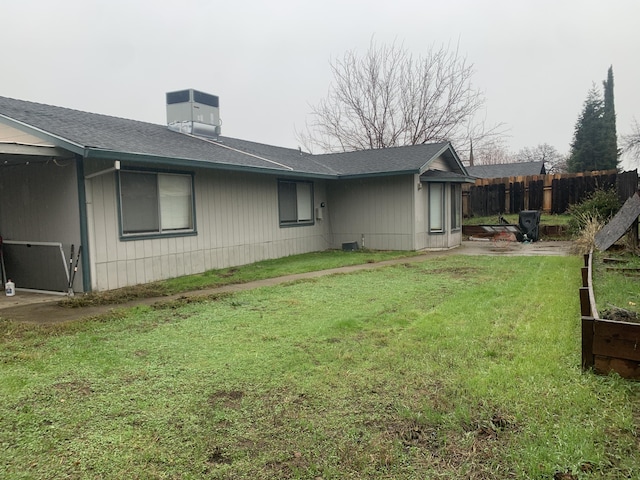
94,135
507,170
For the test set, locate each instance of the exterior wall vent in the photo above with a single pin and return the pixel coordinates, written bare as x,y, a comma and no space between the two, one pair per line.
194,112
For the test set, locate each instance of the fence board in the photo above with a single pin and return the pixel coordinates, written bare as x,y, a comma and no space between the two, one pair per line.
550,193
516,196
627,184
536,195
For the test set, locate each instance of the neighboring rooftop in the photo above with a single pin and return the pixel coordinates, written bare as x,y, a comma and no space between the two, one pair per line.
507,170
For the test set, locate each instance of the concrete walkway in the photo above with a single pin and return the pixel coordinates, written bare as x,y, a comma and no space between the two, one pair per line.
44,309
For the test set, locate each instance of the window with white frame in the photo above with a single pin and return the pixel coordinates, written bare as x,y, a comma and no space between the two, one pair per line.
295,202
436,207
456,207
155,203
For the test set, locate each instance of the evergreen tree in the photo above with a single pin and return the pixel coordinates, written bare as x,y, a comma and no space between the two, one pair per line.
611,152
594,145
586,149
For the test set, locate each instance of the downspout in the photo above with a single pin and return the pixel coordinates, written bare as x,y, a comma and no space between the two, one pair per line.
84,231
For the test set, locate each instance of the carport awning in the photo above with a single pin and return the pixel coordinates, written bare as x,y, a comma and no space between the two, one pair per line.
440,176
31,150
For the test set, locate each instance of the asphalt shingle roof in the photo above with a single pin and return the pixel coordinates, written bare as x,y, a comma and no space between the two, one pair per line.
99,135
506,170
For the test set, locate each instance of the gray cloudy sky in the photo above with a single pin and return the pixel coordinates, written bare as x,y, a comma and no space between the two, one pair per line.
268,61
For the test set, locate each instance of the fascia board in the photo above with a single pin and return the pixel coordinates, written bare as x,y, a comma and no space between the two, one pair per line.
377,174
464,179
32,150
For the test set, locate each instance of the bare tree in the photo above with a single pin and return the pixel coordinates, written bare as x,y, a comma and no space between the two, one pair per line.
631,142
492,151
390,98
553,160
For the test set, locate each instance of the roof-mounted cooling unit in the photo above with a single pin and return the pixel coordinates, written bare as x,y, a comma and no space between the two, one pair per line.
194,112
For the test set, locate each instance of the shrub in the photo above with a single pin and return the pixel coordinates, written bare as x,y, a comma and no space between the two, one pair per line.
586,237
600,206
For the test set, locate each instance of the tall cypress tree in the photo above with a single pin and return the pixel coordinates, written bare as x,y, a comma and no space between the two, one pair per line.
609,118
595,145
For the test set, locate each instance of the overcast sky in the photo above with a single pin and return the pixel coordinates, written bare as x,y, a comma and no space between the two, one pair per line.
269,60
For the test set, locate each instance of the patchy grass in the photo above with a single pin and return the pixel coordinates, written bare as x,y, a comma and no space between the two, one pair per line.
545,219
307,262
558,223
457,367
616,283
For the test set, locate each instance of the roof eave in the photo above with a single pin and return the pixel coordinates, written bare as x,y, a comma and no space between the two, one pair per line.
464,179
98,153
377,174
43,134
32,150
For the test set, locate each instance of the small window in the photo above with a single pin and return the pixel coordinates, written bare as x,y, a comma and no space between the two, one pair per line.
155,203
295,202
436,207
456,207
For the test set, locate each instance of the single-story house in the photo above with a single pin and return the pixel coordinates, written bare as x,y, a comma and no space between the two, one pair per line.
502,170
148,202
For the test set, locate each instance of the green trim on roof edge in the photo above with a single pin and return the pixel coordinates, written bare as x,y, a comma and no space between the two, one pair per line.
191,163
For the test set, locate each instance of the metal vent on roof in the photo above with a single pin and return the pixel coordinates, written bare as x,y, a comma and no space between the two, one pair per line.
194,112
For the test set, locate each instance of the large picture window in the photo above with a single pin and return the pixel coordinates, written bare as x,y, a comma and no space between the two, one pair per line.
155,203
456,207
436,207
295,202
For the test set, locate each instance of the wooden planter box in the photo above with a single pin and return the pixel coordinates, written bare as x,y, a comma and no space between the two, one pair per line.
607,345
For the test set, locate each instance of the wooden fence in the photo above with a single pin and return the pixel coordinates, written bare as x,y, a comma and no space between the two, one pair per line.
607,345
546,193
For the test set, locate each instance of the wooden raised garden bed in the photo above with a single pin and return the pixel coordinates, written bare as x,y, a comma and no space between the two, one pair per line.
607,345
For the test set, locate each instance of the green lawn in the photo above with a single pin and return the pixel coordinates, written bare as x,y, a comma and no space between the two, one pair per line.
456,367
277,267
545,219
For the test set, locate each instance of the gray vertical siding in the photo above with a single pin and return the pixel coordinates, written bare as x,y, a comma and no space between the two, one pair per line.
434,241
39,203
237,223
381,209
236,216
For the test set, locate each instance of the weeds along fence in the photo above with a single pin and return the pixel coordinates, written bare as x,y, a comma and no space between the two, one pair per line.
546,193
607,345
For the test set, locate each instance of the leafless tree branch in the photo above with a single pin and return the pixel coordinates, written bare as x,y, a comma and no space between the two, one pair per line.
631,142
389,98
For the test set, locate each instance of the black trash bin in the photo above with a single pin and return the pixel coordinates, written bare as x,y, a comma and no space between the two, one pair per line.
529,223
